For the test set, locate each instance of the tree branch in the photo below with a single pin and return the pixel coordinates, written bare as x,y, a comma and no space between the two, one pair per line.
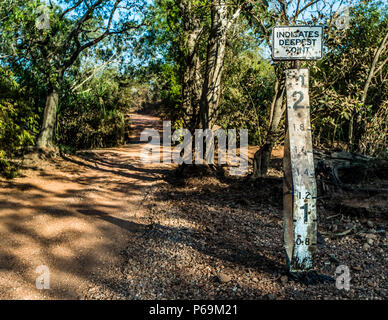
71,9
373,66
298,12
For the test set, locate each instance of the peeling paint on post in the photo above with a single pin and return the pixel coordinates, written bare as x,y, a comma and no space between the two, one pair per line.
300,192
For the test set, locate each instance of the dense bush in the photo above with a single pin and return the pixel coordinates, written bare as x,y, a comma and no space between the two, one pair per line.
95,117
248,91
339,116
18,121
91,117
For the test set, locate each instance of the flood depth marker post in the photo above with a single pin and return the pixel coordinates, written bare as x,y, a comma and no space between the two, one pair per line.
295,43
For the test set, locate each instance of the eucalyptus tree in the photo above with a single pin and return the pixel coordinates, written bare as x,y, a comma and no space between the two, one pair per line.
179,32
193,23
196,31
223,15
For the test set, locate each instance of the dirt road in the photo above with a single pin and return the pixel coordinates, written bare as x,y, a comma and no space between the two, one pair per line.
108,226
73,215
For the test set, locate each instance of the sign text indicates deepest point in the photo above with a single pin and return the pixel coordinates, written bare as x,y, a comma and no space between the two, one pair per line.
297,43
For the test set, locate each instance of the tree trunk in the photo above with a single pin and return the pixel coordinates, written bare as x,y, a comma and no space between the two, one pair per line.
355,119
211,90
192,78
372,69
351,133
45,140
191,90
262,157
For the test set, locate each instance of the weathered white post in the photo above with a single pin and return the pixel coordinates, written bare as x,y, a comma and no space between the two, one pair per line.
300,250
300,217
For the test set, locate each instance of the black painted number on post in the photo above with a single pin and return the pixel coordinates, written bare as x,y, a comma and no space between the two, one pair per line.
299,241
301,127
302,78
305,212
301,97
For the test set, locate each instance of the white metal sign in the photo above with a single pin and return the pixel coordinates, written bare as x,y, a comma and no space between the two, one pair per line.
297,43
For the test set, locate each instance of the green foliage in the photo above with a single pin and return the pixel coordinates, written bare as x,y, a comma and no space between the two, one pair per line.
170,89
34,61
374,139
18,121
94,102
94,117
339,117
248,90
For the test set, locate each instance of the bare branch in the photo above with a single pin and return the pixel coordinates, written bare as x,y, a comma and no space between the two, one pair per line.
94,72
372,72
71,9
298,12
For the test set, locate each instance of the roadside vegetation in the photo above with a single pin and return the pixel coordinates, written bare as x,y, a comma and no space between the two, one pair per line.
70,72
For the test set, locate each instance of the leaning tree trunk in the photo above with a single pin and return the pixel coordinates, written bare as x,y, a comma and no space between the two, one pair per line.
372,72
262,157
45,140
